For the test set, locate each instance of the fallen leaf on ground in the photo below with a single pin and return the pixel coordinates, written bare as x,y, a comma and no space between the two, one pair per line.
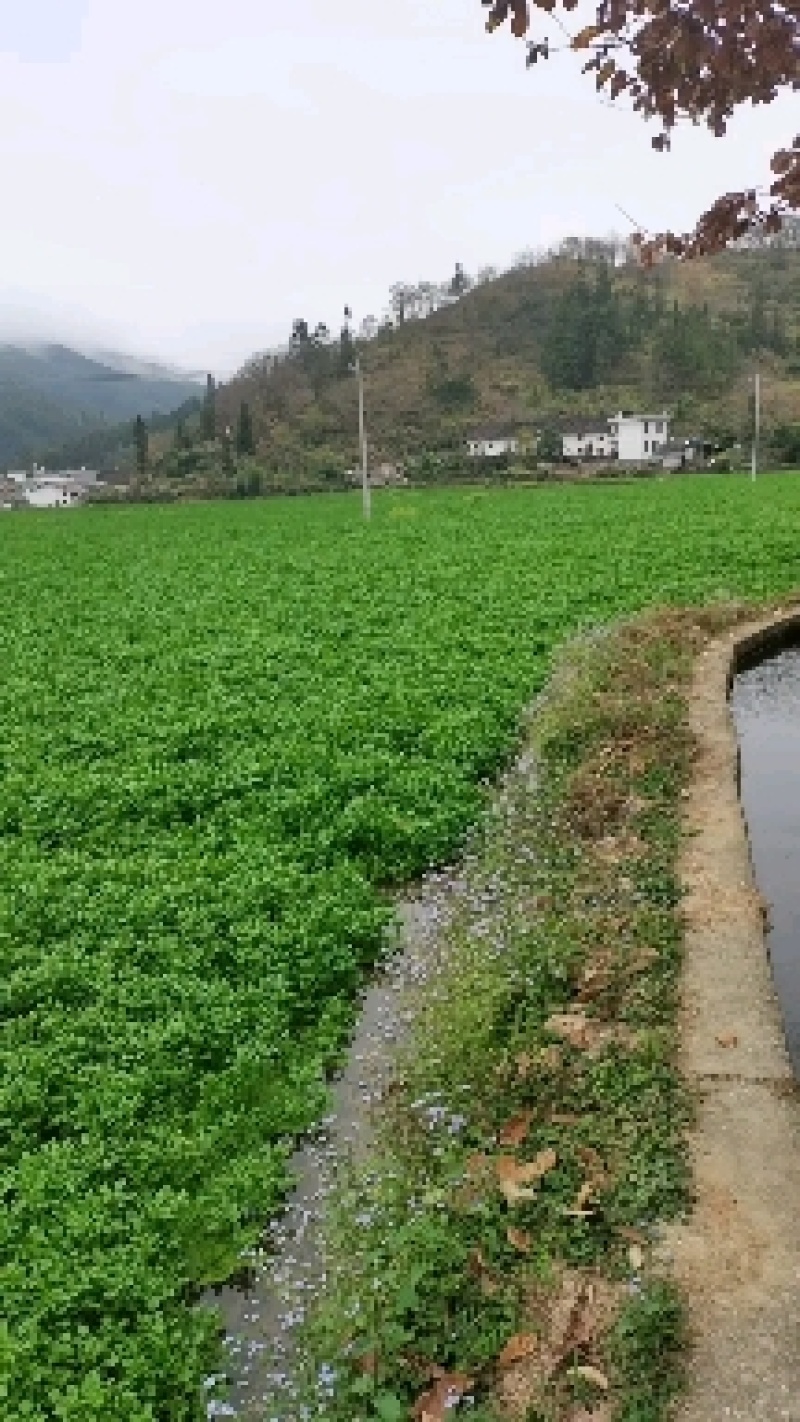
573,1320
634,1236
368,1364
524,1063
522,1345
518,1180
550,1057
595,978
592,1375
582,1199
591,1160
729,1039
570,1026
519,1239
437,1403
478,1164
636,1257
480,1270
515,1130
600,1414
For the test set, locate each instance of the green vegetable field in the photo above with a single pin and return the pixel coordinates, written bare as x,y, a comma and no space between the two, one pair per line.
224,728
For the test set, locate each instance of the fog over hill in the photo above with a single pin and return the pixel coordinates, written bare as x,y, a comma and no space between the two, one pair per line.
51,392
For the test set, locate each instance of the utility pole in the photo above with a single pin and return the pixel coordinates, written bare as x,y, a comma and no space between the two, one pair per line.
362,435
362,432
756,425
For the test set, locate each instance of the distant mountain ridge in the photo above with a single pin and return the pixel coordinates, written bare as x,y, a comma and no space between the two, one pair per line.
51,393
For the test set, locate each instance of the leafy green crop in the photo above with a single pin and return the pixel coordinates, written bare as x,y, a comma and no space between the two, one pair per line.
224,728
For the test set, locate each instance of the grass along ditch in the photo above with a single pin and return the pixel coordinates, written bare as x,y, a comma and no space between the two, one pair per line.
495,1252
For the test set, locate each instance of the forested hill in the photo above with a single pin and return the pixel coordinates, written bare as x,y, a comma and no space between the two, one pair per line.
562,337
558,337
50,394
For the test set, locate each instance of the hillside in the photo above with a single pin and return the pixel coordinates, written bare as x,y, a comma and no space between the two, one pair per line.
562,337
50,394
538,342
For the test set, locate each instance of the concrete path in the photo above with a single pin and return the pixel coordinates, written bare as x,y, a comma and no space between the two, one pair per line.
738,1257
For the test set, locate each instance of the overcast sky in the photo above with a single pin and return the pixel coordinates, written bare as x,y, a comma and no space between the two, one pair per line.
184,177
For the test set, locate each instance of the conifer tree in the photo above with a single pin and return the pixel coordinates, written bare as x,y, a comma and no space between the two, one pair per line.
209,417
141,446
245,439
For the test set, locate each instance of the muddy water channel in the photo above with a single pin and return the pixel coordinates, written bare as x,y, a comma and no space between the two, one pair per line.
765,703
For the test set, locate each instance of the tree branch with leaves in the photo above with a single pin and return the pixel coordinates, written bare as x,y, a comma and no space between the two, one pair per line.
695,59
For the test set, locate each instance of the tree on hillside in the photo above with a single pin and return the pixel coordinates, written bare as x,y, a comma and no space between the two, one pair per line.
245,439
402,298
140,442
587,335
347,350
209,415
227,454
460,282
689,59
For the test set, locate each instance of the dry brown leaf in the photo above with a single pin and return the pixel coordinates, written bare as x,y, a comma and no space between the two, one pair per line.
584,1195
594,981
524,1063
600,1414
519,1239
515,1130
550,1058
570,1026
635,1236
521,1345
480,1270
728,1039
437,1403
563,1118
368,1364
572,1320
518,1180
478,1164
592,1375
636,1257
590,1159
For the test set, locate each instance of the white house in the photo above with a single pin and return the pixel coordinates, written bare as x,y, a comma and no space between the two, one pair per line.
640,438
588,439
53,493
489,443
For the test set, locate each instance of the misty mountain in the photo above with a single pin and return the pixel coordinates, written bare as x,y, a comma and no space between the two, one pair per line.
50,394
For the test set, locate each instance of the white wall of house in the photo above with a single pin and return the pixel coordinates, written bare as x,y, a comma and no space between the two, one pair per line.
640,437
51,495
595,444
488,448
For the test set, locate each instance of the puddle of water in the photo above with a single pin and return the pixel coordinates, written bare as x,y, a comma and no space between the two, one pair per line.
766,710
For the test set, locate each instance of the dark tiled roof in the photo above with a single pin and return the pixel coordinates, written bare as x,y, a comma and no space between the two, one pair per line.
498,432
593,425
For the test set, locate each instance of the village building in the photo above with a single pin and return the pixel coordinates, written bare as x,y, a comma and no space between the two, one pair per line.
591,438
628,437
41,490
640,438
491,441
54,493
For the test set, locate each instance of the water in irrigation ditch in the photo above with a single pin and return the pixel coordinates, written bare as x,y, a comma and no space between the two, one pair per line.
766,711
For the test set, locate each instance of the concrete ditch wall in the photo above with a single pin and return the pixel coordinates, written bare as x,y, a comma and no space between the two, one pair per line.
738,1256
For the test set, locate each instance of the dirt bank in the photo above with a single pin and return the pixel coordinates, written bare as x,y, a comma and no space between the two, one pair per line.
738,1258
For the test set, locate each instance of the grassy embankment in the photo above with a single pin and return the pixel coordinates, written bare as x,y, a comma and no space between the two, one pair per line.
497,1247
